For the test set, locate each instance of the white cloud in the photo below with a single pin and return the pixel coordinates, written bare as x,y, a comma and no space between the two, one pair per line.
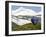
24,11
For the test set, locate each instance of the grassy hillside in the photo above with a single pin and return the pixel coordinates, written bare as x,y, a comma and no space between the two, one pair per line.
28,26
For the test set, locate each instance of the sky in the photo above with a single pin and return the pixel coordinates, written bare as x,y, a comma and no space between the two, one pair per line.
34,8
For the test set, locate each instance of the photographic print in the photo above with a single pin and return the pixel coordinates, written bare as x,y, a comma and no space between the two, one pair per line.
24,18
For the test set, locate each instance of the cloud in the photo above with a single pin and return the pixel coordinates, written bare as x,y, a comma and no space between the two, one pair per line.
35,8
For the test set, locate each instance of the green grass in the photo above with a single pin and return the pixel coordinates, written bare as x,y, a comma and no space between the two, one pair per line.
28,26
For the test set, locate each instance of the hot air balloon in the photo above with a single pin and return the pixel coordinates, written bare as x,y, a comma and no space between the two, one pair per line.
34,20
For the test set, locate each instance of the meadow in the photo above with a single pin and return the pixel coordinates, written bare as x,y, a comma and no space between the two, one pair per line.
24,27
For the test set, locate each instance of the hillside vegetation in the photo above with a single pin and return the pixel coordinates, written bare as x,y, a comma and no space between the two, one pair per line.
28,26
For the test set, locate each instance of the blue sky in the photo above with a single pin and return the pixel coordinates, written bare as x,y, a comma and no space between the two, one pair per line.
34,8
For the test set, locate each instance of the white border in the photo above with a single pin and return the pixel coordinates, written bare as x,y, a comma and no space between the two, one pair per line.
28,31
